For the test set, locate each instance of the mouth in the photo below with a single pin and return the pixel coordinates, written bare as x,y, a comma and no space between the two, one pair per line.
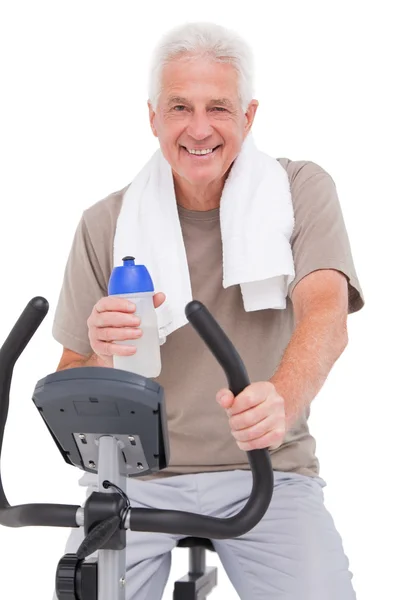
201,154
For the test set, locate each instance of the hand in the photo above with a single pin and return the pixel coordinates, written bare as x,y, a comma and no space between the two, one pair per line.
256,416
113,319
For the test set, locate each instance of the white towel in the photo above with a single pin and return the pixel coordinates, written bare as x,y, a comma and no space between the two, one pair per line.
257,220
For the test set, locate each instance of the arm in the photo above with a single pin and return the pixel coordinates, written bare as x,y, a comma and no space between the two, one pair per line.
263,412
71,359
320,303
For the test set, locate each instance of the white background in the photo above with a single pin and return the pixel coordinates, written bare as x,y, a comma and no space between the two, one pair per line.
74,128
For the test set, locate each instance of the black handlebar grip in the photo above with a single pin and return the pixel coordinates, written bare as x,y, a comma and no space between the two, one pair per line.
23,330
52,515
219,344
173,521
17,339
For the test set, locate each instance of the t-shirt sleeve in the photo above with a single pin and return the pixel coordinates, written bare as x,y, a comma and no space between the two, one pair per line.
320,239
83,285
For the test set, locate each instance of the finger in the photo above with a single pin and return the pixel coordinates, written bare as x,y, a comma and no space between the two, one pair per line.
244,401
114,303
271,440
122,350
250,417
225,398
117,334
267,425
253,394
113,319
158,299
111,349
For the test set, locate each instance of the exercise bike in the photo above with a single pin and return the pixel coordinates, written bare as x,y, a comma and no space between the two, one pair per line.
113,423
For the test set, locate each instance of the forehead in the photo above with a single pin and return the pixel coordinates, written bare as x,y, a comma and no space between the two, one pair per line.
199,79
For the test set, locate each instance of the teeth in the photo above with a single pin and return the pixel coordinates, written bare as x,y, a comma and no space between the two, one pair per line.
208,151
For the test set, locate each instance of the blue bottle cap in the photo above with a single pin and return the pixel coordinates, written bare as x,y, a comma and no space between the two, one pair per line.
130,278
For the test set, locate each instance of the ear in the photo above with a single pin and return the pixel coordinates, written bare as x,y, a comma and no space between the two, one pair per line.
249,115
152,115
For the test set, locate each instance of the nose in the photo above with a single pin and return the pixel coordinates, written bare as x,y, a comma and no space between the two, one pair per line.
199,127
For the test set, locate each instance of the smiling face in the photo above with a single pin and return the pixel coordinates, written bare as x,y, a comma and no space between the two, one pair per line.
199,110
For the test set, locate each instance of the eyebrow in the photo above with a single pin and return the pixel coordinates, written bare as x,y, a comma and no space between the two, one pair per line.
220,101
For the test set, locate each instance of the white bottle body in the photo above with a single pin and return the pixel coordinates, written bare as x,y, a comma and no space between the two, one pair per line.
147,359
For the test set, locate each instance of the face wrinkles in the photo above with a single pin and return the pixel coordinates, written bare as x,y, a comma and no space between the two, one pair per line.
199,108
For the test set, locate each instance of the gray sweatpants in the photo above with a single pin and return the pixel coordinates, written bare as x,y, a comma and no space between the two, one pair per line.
294,553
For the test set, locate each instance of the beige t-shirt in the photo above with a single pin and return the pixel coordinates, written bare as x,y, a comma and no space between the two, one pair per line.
200,438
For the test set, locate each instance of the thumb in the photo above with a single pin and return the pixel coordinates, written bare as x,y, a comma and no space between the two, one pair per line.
158,299
225,398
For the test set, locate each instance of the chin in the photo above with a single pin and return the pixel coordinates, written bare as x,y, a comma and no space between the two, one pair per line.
200,180
202,173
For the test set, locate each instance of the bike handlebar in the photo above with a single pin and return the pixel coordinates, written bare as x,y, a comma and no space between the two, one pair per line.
163,521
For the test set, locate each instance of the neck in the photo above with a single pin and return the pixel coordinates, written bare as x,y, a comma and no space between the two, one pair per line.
200,198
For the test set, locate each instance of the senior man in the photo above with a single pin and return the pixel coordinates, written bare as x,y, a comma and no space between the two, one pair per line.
201,110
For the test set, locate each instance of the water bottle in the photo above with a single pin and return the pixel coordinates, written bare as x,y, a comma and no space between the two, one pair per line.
134,282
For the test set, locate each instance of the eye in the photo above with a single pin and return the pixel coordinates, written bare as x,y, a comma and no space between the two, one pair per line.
219,109
178,106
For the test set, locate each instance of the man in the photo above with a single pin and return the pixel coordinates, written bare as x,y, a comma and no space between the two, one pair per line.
295,552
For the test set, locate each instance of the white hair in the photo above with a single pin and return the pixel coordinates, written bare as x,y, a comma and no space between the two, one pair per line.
204,40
